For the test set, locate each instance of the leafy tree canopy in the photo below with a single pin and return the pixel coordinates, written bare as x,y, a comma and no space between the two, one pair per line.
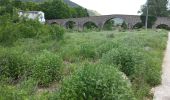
156,8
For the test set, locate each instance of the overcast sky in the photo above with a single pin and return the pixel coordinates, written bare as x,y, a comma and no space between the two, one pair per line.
106,7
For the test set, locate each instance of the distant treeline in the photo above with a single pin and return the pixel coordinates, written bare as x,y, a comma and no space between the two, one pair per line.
54,9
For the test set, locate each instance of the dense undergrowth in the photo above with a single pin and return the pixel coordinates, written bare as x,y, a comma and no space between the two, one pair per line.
43,63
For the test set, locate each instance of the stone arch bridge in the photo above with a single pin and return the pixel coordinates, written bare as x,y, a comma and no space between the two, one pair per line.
99,21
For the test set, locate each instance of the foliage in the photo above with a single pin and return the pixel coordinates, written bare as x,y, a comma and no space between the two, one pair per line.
156,8
87,51
90,25
126,59
96,81
57,9
13,65
151,20
46,68
10,93
70,25
25,28
105,47
56,32
79,12
141,53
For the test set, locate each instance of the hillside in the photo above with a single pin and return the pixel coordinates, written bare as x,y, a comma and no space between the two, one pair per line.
71,4
93,13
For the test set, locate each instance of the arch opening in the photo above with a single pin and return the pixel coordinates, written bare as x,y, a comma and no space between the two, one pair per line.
163,26
115,23
54,23
70,24
138,25
90,25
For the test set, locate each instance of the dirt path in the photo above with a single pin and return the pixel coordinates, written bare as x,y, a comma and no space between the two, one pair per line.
162,92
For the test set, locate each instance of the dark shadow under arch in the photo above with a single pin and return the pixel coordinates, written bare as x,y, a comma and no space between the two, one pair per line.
70,24
90,25
163,26
54,23
138,25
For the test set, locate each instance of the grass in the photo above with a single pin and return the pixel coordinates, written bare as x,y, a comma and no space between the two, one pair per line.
145,52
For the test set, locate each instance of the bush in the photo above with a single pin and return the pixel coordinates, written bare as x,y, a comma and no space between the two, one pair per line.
57,32
10,32
125,58
87,50
13,65
46,68
30,28
105,47
96,82
10,93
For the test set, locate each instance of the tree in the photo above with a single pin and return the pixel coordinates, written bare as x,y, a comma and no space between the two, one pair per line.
151,20
81,12
156,8
56,9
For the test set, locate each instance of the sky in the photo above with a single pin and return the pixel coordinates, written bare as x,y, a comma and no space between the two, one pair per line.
107,7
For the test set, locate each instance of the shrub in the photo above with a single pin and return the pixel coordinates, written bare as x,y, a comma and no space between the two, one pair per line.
125,58
29,85
30,28
12,65
87,50
105,47
11,93
57,32
46,68
10,32
96,82
153,70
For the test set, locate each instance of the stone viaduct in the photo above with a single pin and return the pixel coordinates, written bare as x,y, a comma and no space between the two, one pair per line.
99,21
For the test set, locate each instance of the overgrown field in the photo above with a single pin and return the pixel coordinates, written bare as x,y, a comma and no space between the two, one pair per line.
106,65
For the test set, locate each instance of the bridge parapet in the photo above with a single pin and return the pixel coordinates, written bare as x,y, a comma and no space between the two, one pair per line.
131,20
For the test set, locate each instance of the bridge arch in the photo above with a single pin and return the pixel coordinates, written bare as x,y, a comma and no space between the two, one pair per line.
55,23
163,26
115,21
90,25
99,21
138,25
70,24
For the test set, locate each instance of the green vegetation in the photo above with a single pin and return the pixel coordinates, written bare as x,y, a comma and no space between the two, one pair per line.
156,8
46,68
54,9
82,65
96,81
40,62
